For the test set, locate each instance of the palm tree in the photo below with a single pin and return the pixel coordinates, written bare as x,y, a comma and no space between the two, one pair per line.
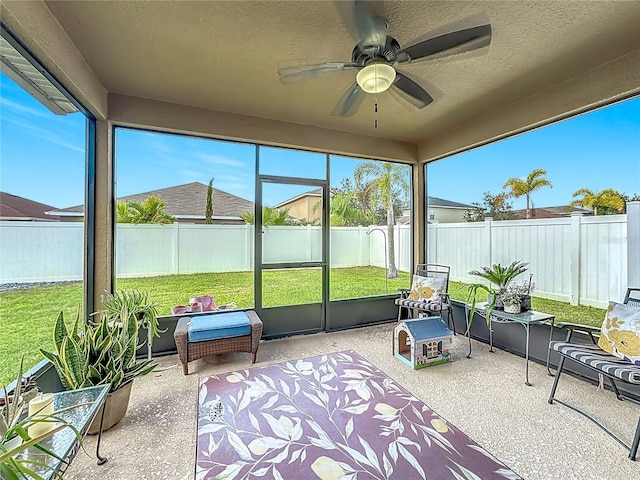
606,200
345,211
270,217
208,212
380,179
535,181
150,210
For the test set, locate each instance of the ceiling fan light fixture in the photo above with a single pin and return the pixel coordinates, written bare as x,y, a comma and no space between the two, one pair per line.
376,77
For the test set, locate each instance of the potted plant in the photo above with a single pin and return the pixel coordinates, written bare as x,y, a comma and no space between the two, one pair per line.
500,277
12,406
511,301
15,432
523,290
137,303
99,353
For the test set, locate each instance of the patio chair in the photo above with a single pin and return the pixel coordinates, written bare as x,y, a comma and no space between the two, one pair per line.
592,356
428,293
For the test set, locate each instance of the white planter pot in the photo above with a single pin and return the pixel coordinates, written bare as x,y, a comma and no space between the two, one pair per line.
512,308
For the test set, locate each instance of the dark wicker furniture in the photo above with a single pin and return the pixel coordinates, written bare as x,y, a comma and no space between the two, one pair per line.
189,351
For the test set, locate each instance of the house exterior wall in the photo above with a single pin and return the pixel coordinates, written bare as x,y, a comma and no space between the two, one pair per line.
303,208
445,214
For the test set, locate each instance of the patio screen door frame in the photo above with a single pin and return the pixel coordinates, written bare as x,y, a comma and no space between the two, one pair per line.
291,319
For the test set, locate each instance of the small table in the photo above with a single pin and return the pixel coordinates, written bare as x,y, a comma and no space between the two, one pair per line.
64,443
525,319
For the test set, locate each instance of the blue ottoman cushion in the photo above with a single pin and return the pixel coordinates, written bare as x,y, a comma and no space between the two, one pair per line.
223,325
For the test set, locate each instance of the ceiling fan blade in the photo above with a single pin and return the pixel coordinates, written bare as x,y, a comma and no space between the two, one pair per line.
307,72
419,96
372,29
451,43
349,102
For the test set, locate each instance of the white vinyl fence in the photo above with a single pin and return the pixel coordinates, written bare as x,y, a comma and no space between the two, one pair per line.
581,260
53,251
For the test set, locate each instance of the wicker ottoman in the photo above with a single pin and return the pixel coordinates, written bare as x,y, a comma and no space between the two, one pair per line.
193,350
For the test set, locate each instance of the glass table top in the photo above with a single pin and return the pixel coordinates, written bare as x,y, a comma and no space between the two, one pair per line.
528,316
88,401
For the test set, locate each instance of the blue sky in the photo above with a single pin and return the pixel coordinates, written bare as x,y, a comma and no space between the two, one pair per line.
42,158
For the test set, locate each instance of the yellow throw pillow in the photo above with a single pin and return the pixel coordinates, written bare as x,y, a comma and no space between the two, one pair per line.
620,332
426,289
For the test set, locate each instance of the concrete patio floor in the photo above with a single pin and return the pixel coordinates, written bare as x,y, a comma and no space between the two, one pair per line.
484,396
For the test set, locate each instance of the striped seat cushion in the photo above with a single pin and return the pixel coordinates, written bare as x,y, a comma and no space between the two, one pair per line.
596,358
431,306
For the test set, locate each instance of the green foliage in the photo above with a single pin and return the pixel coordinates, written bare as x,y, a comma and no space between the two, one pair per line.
345,211
208,214
150,210
12,406
97,353
13,427
501,276
494,206
135,303
535,181
605,202
384,182
14,466
270,217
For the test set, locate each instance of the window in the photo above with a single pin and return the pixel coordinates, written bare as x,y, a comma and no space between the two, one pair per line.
42,194
369,256
167,241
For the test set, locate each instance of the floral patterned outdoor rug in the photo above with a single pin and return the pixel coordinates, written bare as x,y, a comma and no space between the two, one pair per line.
329,417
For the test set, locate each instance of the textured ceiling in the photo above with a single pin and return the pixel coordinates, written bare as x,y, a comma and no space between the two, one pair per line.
224,56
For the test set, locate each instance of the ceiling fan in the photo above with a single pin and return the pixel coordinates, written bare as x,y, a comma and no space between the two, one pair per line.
376,54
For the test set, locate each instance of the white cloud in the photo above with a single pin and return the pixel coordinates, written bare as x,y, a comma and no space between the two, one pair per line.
219,160
22,109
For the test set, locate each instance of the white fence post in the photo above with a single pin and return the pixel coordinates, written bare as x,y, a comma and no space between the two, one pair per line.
576,220
176,248
487,244
633,244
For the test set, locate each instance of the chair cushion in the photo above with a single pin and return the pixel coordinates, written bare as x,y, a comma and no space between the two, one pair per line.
426,289
221,325
598,359
620,332
434,306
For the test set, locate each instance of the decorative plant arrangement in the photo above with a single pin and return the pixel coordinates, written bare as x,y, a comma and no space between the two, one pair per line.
500,277
137,303
512,302
16,434
523,290
97,354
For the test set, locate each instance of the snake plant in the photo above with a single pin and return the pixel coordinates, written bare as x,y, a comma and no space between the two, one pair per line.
98,353
136,303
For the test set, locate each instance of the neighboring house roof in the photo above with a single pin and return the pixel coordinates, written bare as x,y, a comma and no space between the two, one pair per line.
13,207
552,212
439,202
185,201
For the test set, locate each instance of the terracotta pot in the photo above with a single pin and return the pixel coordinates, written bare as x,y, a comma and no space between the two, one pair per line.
116,406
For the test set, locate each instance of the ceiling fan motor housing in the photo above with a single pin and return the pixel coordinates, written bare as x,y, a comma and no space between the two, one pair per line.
363,54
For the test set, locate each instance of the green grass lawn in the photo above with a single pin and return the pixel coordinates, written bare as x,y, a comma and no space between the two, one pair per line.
27,315
563,311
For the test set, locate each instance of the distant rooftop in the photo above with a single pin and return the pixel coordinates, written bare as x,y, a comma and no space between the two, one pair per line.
13,207
185,201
